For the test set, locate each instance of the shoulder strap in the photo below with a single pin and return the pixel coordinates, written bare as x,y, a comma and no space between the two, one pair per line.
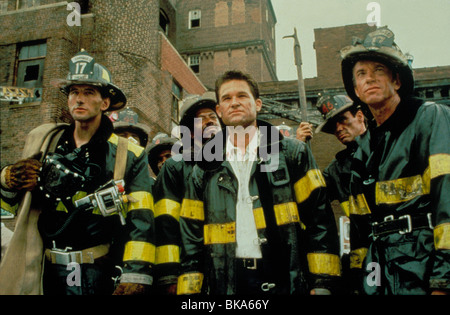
121,159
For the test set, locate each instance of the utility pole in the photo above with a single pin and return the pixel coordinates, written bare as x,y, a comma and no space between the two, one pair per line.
300,82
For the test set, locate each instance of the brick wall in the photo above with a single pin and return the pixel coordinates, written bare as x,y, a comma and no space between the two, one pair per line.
328,43
234,34
122,35
172,62
45,24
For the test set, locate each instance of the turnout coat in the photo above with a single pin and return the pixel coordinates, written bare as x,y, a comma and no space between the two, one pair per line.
400,203
131,245
295,224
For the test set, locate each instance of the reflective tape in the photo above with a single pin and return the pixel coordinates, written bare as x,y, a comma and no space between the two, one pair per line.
286,213
400,190
439,165
142,251
167,207
357,257
144,201
220,233
192,209
323,263
260,220
137,150
307,184
442,236
190,283
346,207
167,254
358,206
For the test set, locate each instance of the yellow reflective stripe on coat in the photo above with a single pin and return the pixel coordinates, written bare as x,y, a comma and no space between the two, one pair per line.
11,209
358,206
307,184
144,201
167,254
192,209
345,205
137,150
190,283
401,190
220,233
137,250
439,165
442,236
357,257
323,263
404,189
167,207
260,220
286,213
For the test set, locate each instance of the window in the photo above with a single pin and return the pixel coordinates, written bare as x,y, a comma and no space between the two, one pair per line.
176,97
3,6
164,22
25,4
30,65
194,63
194,18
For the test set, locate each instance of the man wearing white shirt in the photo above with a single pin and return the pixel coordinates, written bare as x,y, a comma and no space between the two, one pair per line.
266,226
241,160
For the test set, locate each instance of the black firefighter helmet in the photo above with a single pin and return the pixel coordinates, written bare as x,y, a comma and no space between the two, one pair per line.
378,46
141,130
84,70
193,104
159,144
330,106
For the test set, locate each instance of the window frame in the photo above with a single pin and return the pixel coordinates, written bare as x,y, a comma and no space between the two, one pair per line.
196,65
194,18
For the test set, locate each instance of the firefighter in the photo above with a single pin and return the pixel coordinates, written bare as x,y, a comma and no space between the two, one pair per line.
399,202
262,224
136,133
83,242
346,121
160,151
173,195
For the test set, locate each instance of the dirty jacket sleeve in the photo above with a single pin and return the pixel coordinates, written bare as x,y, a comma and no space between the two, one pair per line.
317,216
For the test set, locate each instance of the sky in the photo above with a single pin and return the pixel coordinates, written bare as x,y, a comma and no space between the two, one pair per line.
421,28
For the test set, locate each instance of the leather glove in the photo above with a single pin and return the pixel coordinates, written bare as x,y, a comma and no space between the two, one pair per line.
131,289
22,175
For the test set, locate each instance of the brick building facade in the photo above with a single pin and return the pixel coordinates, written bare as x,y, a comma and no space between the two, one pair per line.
160,51
215,36
125,36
